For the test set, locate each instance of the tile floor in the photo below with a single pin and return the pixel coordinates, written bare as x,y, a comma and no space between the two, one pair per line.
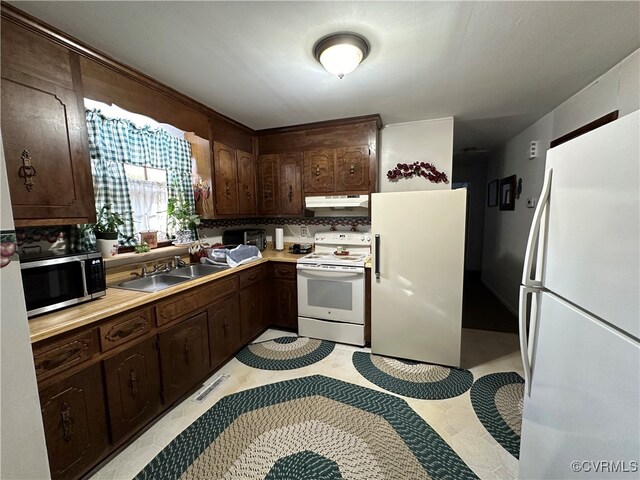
454,419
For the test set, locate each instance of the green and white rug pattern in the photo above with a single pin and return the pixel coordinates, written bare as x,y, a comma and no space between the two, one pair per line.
308,428
497,400
413,379
285,353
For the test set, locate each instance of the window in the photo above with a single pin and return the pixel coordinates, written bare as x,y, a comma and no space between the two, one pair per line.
136,166
148,192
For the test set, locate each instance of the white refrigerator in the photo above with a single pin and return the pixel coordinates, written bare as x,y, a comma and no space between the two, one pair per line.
580,292
418,266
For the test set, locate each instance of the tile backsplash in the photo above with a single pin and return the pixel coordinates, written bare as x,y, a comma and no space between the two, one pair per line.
294,228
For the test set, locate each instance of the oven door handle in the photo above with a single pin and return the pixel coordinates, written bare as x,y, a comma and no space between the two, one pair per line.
333,272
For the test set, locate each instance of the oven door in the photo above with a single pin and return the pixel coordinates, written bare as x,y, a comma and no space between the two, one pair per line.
331,292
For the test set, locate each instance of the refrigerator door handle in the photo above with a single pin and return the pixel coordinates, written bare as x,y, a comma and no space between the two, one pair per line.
525,339
534,231
377,255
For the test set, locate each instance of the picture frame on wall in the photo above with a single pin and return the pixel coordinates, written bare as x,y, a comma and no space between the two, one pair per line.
492,194
508,193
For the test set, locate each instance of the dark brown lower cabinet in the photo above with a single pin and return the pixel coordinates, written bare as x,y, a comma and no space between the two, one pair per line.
286,304
251,312
224,328
75,422
184,356
133,387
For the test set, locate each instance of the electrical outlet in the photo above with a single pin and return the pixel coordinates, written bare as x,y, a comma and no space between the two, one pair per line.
534,148
531,202
304,231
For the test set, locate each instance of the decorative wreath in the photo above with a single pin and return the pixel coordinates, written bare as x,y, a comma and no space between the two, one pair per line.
419,169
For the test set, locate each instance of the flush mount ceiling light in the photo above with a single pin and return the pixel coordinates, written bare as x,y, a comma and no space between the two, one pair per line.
341,53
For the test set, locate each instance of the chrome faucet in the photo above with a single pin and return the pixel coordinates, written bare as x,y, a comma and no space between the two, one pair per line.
177,262
160,268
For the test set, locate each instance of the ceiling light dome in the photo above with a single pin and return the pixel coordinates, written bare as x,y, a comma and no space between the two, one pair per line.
341,53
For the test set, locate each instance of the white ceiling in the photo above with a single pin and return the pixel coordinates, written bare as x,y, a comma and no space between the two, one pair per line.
494,66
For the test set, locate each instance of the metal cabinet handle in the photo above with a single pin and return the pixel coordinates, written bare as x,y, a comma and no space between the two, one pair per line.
317,170
227,189
51,363
125,332
352,169
133,383
290,194
67,422
27,170
187,351
377,254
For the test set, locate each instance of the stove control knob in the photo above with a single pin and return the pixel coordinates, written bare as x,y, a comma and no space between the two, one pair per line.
362,238
368,238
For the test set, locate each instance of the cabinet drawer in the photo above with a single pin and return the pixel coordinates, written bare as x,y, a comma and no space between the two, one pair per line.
62,354
251,276
125,328
284,270
184,303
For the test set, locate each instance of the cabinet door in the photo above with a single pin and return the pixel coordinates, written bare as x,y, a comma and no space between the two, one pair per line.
246,183
286,306
224,328
184,356
251,312
291,199
133,387
226,175
318,171
75,422
268,180
352,169
43,123
45,145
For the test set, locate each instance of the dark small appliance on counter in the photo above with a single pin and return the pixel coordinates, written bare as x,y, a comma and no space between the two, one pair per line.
56,280
301,248
255,236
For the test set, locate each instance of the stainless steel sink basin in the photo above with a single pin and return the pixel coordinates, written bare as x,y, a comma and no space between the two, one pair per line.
197,270
153,283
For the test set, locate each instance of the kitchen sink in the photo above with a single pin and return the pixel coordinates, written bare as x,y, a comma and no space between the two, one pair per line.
197,270
153,283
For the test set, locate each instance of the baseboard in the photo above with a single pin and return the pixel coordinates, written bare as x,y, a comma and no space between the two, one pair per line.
500,298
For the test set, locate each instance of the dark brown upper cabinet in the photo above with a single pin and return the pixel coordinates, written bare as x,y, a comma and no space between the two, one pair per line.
44,131
235,180
352,169
268,181
319,171
291,197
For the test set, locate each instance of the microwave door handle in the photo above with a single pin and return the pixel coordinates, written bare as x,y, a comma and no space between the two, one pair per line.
84,278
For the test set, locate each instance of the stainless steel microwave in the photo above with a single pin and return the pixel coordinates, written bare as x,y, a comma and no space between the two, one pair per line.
54,282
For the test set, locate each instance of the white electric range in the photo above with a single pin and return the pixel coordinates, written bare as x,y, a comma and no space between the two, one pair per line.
331,284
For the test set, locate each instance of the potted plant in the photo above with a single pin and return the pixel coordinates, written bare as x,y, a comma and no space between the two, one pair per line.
107,229
182,217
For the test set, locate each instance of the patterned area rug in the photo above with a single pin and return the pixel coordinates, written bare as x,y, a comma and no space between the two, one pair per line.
413,379
497,400
308,428
285,353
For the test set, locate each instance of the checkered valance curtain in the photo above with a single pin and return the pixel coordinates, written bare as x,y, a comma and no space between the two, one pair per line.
114,142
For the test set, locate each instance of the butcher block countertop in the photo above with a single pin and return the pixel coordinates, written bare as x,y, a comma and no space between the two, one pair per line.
118,301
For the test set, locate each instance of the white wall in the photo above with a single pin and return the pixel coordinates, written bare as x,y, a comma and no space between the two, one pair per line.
472,169
423,141
23,454
505,232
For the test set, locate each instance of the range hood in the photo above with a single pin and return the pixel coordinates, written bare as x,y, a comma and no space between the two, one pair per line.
337,202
